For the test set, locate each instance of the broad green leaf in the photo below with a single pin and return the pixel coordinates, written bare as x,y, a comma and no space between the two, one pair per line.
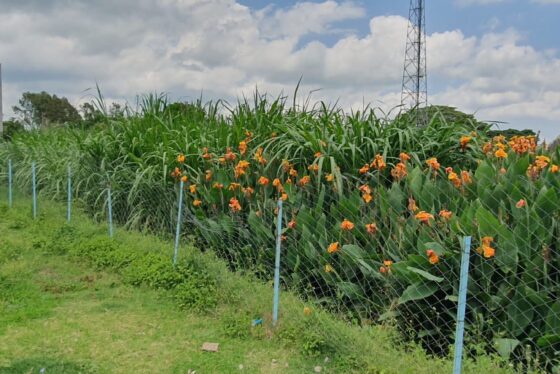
425,274
520,313
506,346
417,291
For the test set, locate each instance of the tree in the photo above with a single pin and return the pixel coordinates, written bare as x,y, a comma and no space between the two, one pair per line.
11,127
39,110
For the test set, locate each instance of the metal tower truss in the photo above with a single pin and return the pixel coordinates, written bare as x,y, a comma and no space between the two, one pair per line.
414,84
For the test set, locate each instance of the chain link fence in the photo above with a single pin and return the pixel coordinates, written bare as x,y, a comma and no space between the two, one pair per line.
392,241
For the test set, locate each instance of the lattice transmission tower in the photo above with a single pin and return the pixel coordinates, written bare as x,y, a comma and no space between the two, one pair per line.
414,96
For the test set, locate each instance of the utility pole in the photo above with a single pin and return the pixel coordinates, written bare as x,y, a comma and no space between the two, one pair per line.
1,112
414,94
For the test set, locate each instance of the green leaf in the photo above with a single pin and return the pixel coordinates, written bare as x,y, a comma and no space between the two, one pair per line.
350,290
553,319
506,346
520,312
417,291
424,274
548,340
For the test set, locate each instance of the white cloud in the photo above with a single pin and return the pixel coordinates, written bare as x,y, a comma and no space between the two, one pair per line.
223,50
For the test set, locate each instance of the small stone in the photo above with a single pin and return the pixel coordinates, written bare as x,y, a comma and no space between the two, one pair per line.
210,347
317,369
241,366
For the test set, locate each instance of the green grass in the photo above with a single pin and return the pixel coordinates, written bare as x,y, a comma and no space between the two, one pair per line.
65,312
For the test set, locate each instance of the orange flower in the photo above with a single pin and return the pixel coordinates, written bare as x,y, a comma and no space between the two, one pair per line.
487,240
218,186
364,188
286,165
412,205
328,268
181,158
176,173
378,163
346,225
432,256
304,180
333,247
318,154
542,161
208,176
284,197
242,147
454,178
404,157
424,217
184,178
330,177
258,156
248,191
229,156
222,160
292,224
234,186
364,169
263,181
433,163
445,214
464,141
367,198
196,203
234,205
371,228
276,182
554,169
399,171
448,170
500,153
205,154
293,172
488,251
521,203
386,268
314,168
192,188
466,177
533,172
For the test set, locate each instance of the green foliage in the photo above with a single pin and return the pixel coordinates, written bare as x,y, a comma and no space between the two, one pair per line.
11,127
41,110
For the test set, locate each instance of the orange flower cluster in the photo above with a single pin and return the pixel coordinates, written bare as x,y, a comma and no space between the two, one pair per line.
333,247
433,163
329,178
386,268
535,169
176,173
314,168
520,204
241,168
292,224
259,157
208,175
205,154
248,191
378,163
523,144
486,248
234,186
366,193
464,141
364,169
234,205
263,181
456,180
196,203
399,171
304,180
242,147
445,214
424,217
181,158
229,156
371,228
432,256
347,225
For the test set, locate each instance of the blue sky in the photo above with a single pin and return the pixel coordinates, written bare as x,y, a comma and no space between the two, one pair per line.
499,59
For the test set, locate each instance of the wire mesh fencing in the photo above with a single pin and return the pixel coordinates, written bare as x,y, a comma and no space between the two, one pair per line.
392,242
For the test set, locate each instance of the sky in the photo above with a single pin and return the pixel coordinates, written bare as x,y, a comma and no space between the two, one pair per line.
499,59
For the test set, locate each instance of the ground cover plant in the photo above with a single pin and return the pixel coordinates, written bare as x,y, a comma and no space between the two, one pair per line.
374,209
